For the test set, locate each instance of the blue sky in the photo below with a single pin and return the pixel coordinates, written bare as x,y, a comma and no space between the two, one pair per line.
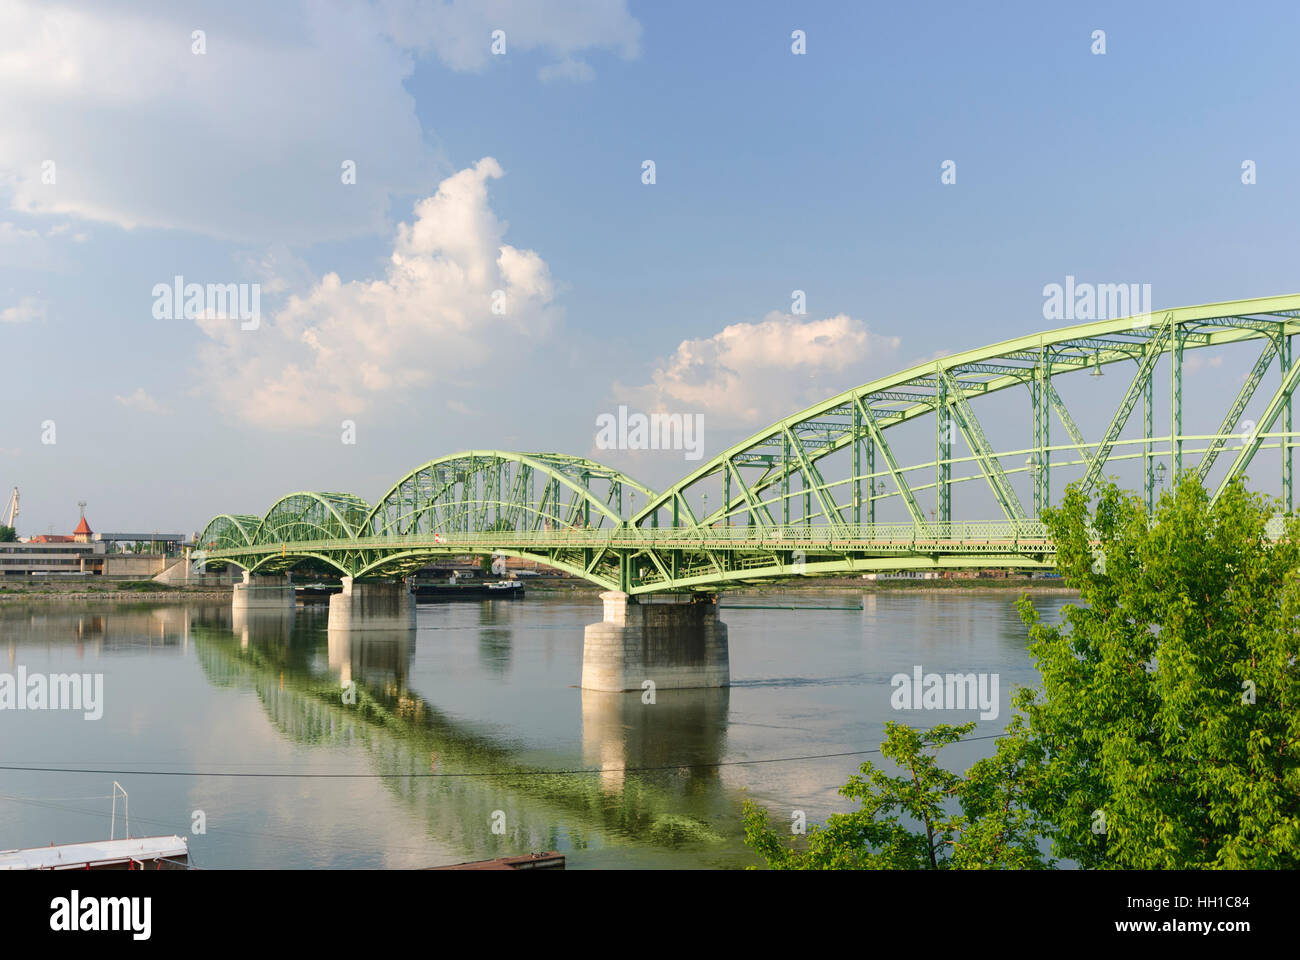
774,172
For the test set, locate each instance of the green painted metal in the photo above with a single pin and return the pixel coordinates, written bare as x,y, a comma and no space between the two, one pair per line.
943,434
1136,388
1176,400
1231,422
1067,421
990,463
1288,467
877,436
1250,447
1148,430
789,500
229,531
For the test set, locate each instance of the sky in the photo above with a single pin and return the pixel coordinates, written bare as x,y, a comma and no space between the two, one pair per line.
452,248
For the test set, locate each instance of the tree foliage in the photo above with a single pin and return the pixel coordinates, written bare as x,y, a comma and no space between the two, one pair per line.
926,818
1165,733
1167,719
7,534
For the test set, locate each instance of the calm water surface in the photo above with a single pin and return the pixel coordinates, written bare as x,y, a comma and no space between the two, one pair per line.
479,688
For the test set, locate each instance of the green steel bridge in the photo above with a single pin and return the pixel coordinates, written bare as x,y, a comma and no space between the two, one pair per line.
838,488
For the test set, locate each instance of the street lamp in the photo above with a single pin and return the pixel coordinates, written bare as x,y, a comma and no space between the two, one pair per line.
1160,473
1096,369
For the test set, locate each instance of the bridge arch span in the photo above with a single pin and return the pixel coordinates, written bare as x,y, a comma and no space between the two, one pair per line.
800,498
308,515
496,491
832,464
228,531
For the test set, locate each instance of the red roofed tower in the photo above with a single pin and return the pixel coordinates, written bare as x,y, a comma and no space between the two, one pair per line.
83,531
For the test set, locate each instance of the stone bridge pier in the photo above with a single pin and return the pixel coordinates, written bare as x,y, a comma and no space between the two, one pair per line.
372,605
262,592
676,641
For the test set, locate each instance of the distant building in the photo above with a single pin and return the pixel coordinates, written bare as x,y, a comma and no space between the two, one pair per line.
86,553
46,555
81,535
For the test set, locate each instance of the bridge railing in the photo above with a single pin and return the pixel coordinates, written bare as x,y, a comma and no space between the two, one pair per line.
937,534
953,530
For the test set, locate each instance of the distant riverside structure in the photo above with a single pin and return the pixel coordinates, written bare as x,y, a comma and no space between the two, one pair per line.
86,553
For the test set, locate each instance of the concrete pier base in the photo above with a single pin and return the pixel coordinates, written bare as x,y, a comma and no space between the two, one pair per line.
258,592
372,605
676,642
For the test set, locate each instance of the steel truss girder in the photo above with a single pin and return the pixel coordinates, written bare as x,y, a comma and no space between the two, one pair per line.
811,475
1238,407
1280,400
490,497
984,453
1270,328
878,438
1067,421
479,476
1145,369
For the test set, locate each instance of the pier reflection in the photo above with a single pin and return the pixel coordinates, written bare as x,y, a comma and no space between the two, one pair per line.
261,626
454,776
377,658
683,730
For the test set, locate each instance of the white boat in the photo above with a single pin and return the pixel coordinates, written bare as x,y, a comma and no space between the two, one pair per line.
505,586
135,853
130,853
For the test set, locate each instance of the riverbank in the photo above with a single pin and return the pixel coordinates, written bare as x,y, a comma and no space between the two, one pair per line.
136,590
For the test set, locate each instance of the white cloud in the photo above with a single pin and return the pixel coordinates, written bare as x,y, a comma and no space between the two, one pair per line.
246,141
140,400
12,233
751,374
930,357
27,310
1196,363
344,348
29,248
277,268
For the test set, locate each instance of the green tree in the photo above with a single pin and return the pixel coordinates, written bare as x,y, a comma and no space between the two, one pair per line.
927,818
1167,727
7,534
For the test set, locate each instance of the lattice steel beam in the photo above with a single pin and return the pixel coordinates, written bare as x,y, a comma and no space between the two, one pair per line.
1145,369
1238,407
984,453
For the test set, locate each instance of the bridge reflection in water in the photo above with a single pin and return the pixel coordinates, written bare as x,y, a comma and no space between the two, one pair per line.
657,782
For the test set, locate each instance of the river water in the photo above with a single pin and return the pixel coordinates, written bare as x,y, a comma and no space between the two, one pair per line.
480,713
